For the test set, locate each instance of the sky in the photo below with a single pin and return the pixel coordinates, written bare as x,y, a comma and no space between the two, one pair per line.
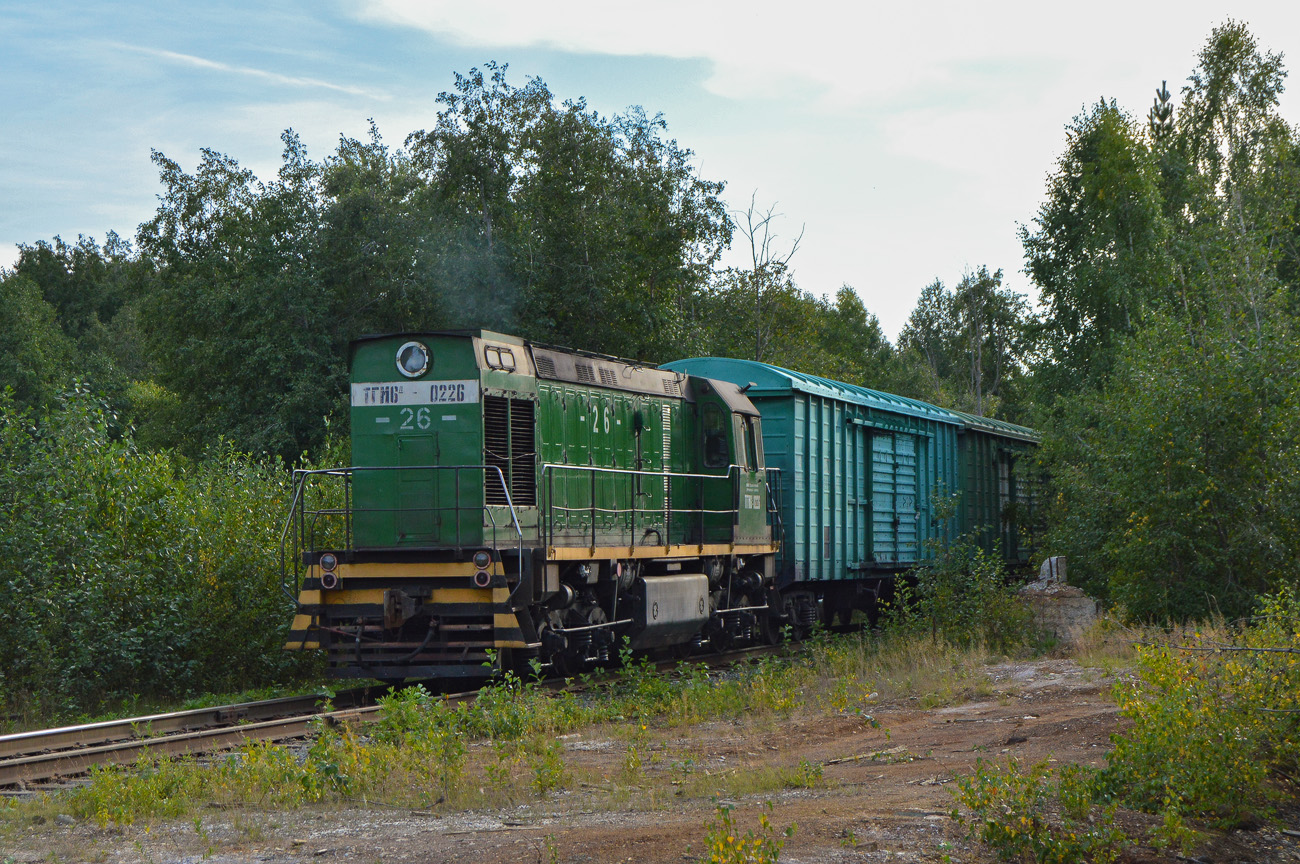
907,142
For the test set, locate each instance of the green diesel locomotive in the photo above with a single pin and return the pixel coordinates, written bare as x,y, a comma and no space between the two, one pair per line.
511,502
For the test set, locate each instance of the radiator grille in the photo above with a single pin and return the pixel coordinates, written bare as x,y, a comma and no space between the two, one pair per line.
586,372
509,443
496,447
523,453
671,387
609,377
545,365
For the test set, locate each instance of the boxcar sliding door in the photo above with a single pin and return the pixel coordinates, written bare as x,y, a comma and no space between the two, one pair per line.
894,537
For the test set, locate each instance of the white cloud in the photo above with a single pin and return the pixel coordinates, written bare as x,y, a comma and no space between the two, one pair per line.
842,51
288,80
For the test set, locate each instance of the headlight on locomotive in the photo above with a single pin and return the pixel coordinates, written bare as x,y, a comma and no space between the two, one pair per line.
329,580
482,560
413,359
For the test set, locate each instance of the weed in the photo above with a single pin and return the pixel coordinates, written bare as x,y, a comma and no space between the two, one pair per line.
807,775
1212,722
1010,810
547,762
726,846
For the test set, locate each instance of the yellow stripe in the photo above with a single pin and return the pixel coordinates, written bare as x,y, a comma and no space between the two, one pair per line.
407,570
469,595
584,553
301,637
365,595
505,621
375,596
310,598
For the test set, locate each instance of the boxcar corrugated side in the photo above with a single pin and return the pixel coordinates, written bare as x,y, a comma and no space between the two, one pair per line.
861,471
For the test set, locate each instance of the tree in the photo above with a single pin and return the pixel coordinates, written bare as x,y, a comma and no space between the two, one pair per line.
972,341
1098,249
564,225
95,293
1175,486
35,355
241,327
1160,119
1240,185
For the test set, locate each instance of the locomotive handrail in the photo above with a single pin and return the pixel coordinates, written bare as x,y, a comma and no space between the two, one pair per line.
298,513
548,471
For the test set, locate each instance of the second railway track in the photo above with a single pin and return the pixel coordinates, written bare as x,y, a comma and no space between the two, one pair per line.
46,754
70,750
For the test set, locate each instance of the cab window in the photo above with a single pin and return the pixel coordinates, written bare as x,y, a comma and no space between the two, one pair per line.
753,444
715,437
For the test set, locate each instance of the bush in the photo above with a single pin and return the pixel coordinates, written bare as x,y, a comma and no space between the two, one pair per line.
1214,723
964,597
1036,814
1215,735
130,574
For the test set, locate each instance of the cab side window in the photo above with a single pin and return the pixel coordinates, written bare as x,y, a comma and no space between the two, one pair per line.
715,437
753,444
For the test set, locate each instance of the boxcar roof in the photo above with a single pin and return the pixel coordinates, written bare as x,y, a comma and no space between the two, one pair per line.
771,380
998,427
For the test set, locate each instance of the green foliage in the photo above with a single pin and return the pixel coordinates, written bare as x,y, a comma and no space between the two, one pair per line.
1212,739
973,343
132,574
1037,815
35,355
1097,251
575,228
1176,485
240,325
725,845
95,294
1169,262
964,597
1215,723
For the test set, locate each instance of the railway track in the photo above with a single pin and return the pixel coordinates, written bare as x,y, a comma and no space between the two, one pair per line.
67,751
48,754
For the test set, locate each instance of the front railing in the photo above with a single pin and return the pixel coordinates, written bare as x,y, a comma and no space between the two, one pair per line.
322,514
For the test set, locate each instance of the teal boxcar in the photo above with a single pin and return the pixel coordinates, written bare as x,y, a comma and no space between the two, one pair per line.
872,484
860,469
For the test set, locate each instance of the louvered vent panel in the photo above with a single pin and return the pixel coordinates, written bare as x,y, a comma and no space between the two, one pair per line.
523,453
671,387
496,447
545,365
609,377
586,373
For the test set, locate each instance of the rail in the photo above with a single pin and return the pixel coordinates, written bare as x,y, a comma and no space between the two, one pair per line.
47,754
331,525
